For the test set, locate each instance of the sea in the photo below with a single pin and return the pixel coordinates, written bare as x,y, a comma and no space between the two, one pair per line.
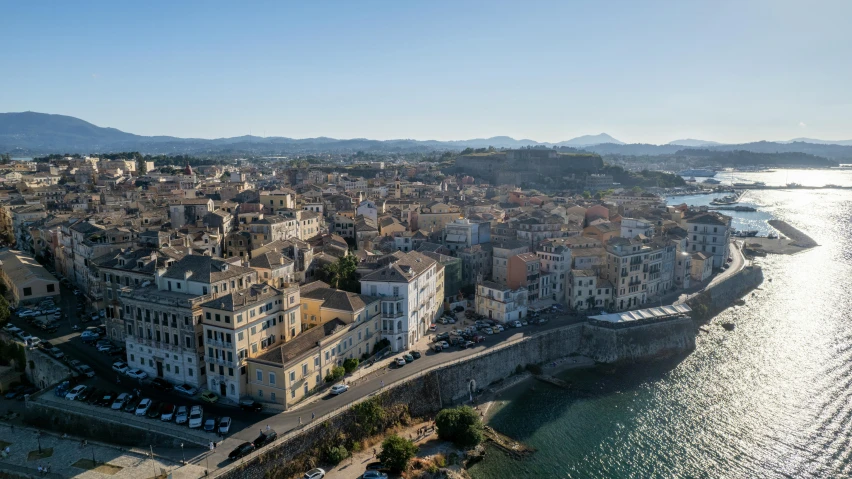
770,399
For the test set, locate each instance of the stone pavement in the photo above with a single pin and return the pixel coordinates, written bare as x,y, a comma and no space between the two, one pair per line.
114,461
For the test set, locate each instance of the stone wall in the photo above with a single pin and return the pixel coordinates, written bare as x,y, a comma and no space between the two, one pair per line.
45,371
638,343
722,295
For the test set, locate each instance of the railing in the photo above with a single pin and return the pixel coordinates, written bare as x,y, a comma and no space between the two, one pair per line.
224,362
219,343
395,314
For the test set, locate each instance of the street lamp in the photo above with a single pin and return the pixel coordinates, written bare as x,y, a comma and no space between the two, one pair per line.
182,453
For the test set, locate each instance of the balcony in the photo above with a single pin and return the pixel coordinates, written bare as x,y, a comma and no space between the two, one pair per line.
392,315
219,344
224,362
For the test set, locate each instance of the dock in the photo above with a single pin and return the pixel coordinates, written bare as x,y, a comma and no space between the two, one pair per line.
552,380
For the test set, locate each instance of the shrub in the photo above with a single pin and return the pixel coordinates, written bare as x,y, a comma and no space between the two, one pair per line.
440,460
383,343
350,365
337,454
396,452
336,373
460,425
369,416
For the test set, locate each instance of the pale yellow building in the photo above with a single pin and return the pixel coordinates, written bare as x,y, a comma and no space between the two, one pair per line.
434,216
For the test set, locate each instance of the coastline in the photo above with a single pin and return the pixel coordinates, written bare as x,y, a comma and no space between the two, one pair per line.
796,241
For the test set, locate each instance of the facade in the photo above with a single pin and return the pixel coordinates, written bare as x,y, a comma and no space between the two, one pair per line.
476,263
499,302
501,251
710,233
683,269
26,280
463,233
631,227
245,323
555,263
587,291
627,269
406,282
188,211
702,266
436,215
524,271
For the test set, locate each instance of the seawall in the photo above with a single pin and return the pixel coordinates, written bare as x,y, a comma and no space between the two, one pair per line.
427,393
722,295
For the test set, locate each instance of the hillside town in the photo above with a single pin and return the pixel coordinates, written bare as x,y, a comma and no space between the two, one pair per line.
255,284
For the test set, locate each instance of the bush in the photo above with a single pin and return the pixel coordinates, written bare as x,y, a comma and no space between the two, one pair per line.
336,373
337,454
350,365
369,416
460,425
396,452
383,343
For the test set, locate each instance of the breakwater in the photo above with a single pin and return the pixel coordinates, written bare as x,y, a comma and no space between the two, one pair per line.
721,295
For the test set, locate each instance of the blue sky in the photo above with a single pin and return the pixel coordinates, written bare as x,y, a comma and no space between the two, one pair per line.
642,71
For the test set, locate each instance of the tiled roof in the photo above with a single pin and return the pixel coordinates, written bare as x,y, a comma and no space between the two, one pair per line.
302,343
404,267
204,269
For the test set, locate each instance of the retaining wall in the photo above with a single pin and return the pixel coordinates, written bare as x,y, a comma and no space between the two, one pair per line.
723,294
638,343
43,370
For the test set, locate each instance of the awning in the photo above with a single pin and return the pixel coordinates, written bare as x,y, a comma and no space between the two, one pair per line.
640,314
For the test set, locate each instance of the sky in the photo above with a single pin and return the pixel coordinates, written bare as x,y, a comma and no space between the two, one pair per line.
642,71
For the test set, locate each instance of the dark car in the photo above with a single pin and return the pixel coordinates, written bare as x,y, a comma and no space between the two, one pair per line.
442,337
94,395
161,384
45,345
26,392
249,405
377,466
265,438
106,399
117,351
241,450
415,354
132,403
15,392
459,309
154,410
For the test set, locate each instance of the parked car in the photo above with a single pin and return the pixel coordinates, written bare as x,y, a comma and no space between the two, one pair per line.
467,344
117,351
314,474
250,405
265,438
415,354
400,362
104,347
89,336
224,425
143,407
433,327
187,389
154,410
89,396
437,347
445,344
75,393
120,367
442,337
55,352
26,392
106,399
14,392
242,450
182,415
161,384
459,309
373,474
24,336
132,403
209,424
120,401
12,329
408,358
137,374
94,395
209,396
196,414
339,389
167,413
376,466
84,369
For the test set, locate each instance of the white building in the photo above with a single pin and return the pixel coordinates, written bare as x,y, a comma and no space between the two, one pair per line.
499,302
709,233
631,227
407,284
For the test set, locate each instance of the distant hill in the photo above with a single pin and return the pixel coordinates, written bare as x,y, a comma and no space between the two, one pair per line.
588,140
693,142
819,142
30,133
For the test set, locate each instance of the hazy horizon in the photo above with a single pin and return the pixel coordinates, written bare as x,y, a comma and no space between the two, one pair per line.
644,72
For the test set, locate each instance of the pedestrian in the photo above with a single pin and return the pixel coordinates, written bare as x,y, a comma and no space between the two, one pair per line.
268,428
374,452
383,383
312,416
117,379
40,470
300,420
211,445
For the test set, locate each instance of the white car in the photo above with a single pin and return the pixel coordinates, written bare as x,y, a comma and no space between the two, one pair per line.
88,334
86,370
12,329
120,401
137,374
196,414
339,389
120,367
143,406
75,393
181,416
24,335
224,425
102,348
186,389
56,353
26,313
314,474
35,340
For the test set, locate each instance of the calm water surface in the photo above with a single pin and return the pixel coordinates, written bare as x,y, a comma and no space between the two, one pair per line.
771,399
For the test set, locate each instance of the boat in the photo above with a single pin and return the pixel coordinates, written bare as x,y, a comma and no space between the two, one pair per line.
747,233
748,185
691,180
698,172
711,181
794,185
725,200
772,235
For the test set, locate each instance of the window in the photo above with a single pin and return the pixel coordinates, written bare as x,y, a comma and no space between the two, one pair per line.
259,375
207,315
51,288
28,291
271,378
240,336
272,396
190,372
230,371
239,318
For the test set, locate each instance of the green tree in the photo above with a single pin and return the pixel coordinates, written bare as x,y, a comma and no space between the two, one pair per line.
4,311
587,194
369,416
350,364
341,274
461,425
396,452
336,373
141,166
337,454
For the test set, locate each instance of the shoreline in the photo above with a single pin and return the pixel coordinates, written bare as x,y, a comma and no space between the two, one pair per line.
796,241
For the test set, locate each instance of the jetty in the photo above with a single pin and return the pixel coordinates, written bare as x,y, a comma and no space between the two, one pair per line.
506,444
552,380
732,208
795,241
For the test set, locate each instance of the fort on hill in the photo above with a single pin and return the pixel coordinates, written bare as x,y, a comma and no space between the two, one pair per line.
526,165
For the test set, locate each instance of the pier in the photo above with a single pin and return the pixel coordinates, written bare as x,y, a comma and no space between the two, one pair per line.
796,187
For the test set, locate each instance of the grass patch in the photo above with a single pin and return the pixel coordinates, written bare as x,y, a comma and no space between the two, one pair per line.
35,455
87,464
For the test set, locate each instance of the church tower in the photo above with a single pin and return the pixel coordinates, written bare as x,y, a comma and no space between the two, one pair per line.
397,189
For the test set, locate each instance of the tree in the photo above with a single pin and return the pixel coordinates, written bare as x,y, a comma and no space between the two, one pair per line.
461,425
336,373
341,274
4,311
587,194
350,364
369,416
141,166
337,454
396,452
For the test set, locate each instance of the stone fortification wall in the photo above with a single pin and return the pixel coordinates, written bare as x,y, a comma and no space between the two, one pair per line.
722,295
43,370
638,343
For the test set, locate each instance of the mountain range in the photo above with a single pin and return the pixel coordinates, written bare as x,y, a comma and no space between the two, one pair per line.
31,133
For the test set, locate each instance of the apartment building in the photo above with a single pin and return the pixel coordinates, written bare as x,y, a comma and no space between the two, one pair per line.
25,279
627,269
501,251
164,320
406,282
500,302
464,233
555,264
242,324
710,233
524,271
587,291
